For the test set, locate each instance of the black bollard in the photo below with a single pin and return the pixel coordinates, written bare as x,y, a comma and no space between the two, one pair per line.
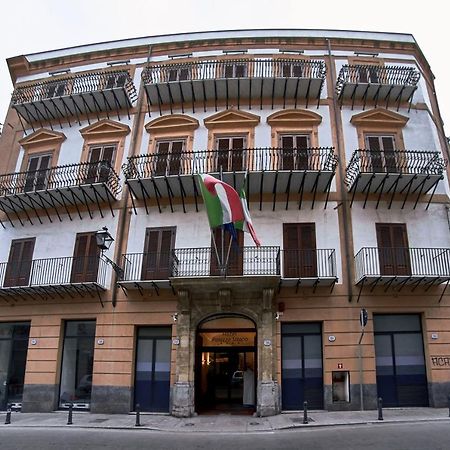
305,412
8,415
138,415
448,405
69,418
380,408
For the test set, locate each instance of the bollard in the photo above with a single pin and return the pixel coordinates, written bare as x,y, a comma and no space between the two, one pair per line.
448,405
69,418
305,412
138,415
380,408
8,414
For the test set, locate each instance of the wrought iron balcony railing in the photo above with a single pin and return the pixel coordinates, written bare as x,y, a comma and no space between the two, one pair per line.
89,184
422,264
60,177
75,95
399,171
377,83
252,79
238,68
309,263
201,262
53,272
238,160
271,170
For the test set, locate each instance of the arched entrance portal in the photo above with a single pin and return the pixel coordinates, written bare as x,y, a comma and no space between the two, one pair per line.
226,365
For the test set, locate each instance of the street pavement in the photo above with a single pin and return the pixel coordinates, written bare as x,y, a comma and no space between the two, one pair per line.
223,422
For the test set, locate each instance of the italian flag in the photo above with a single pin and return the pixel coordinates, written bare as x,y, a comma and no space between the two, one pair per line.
225,206
222,202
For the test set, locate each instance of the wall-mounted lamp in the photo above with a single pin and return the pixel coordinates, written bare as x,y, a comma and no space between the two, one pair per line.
278,314
175,317
104,241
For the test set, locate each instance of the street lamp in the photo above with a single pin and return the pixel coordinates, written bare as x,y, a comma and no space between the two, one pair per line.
104,241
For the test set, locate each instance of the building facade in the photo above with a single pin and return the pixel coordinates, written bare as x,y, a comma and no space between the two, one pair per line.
337,141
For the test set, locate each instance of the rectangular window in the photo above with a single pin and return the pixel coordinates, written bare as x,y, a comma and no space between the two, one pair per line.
77,364
85,259
291,70
393,249
296,153
56,89
382,151
19,264
37,175
158,259
235,70
179,74
101,160
115,80
368,74
300,254
230,153
168,157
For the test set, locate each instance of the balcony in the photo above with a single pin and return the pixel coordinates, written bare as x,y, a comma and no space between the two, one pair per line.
309,268
52,278
33,194
75,96
402,266
145,271
246,82
410,173
285,173
376,84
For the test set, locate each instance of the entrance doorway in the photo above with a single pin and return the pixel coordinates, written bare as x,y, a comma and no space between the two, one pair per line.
13,358
400,360
226,366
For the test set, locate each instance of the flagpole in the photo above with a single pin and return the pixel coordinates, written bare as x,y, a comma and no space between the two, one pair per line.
229,249
215,246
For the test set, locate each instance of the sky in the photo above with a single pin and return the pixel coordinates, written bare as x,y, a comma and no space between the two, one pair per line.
29,26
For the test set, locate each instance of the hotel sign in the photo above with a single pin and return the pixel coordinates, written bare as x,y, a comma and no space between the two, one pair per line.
227,339
440,361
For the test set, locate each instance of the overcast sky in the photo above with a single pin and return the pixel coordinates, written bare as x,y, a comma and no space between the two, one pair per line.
28,26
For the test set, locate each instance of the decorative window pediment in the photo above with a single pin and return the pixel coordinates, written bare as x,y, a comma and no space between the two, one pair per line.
105,129
379,118
43,138
173,123
232,119
294,118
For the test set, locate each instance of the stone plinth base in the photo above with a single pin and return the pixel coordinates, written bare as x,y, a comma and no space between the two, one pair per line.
182,400
268,399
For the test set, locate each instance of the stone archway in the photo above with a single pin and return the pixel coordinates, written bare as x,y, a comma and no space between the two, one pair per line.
199,303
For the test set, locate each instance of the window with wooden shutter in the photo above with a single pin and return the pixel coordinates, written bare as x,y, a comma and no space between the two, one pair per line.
382,152
222,239
37,174
393,249
295,152
230,153
85,259
101,160
300,253
19,264
158,253
168,157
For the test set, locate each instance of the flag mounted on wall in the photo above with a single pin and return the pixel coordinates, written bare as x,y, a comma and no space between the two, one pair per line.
225,206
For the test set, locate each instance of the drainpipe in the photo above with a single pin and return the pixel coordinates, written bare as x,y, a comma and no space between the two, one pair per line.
123,215
343,192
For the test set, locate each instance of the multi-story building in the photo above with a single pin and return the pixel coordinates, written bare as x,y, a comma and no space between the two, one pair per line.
337,140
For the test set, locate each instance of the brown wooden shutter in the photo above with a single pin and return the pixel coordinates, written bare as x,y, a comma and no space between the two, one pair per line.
175,157
157,259
235,264
237,149
300,254
302,159
161,158
19,264
85,259
287,145
393,249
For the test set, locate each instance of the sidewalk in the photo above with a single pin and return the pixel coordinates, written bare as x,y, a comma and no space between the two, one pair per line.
223,423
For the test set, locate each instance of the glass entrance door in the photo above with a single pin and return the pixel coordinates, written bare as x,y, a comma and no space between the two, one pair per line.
13,357
400,362
301,366
152,382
